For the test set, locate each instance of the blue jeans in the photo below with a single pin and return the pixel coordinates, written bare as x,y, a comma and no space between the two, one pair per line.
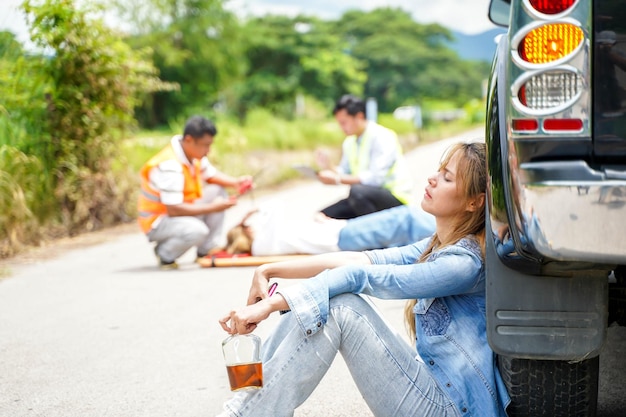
397,226
384,367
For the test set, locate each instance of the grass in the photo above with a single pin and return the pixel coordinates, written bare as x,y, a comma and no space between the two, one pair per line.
272,145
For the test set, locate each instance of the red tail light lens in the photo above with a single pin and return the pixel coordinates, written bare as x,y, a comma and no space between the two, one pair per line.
551,6
573,125
525,125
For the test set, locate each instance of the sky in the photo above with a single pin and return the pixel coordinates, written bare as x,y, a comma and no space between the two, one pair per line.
467,16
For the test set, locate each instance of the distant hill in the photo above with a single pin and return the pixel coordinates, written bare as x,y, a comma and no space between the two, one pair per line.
479,47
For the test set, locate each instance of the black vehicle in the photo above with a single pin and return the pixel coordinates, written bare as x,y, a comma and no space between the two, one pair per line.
556,254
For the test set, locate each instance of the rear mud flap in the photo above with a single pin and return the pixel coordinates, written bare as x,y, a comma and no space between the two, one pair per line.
545,317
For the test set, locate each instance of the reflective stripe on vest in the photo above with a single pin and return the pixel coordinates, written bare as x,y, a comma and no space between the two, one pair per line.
149,206
359,160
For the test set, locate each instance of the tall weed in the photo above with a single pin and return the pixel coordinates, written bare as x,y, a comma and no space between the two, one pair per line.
26,199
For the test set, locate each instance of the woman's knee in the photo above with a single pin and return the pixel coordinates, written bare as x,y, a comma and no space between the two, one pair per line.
347,299
345,308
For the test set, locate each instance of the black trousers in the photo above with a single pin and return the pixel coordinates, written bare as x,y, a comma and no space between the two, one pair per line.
363,199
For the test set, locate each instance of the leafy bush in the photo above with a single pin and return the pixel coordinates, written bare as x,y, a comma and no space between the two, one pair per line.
95,80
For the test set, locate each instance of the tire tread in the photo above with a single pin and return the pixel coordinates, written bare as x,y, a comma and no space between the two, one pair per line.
542,388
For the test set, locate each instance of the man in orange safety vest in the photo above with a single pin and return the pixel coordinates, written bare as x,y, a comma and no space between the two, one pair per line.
182,200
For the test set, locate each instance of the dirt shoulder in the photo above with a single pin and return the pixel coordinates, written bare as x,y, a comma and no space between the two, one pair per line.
53,248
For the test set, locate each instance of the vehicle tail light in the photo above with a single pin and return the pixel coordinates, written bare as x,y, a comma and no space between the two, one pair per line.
525,125
550,42
551,6
574,125
550,89
548,81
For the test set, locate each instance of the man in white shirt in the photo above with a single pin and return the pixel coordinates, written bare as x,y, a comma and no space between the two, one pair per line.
372,164
183,200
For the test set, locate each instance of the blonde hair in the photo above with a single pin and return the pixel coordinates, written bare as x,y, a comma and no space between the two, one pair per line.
238,241
472,180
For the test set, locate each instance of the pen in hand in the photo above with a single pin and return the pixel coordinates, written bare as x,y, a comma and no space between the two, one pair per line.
270,291
272,288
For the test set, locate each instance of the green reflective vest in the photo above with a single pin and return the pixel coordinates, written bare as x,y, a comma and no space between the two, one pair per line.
397,180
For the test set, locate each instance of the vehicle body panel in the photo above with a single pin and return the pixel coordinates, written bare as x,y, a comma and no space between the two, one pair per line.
556,200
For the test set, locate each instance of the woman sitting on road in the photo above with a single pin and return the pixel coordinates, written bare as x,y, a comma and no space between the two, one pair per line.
453,372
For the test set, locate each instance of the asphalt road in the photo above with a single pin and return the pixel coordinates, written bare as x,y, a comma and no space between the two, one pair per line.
100,331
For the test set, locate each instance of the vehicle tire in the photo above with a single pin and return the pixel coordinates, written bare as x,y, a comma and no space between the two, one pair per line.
541,388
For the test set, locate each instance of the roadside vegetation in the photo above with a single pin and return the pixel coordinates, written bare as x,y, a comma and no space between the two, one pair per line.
86,104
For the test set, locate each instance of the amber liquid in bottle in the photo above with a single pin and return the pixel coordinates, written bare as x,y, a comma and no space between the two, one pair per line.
247,375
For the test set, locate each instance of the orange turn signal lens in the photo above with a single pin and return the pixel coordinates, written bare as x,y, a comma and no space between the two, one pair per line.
550,42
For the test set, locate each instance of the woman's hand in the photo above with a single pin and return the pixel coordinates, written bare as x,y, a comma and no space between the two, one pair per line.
246,319
258,288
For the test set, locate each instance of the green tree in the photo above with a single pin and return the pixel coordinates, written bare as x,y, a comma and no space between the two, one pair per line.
94,81
407,61
10,48
25,185
290,56
196,44
22,102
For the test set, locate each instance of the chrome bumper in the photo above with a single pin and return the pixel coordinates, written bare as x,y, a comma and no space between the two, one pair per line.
569,212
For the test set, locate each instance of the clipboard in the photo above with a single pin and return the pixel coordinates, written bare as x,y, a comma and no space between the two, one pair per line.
305,170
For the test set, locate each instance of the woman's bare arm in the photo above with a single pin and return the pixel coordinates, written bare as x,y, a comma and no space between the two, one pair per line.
300,268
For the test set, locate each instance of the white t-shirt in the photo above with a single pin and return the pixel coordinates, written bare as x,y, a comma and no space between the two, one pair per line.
277,232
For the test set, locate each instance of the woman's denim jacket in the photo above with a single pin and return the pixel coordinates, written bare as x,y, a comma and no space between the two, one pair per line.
449,315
